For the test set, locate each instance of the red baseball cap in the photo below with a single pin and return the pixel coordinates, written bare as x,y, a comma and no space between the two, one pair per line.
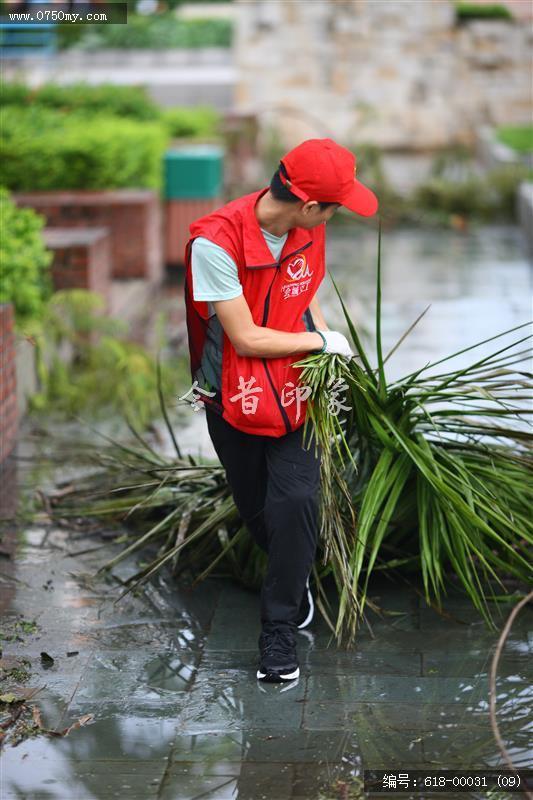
321,169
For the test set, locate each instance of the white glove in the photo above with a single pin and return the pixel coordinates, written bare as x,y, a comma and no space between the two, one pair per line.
336,342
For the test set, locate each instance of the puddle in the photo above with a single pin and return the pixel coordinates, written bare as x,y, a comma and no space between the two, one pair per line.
169,673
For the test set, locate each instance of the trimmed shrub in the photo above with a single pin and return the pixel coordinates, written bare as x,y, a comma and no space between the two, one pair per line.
124,101
24,259
43,149
132,102
200,121
468,11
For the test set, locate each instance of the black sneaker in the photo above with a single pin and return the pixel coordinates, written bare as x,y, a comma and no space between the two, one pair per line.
307,608
278,661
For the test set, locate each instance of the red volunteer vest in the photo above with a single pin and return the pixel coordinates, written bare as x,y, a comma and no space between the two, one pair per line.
258,395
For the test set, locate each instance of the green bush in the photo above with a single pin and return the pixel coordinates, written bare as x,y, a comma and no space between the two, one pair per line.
501,186
43,149
107,373
484,196
124,101
517,137
24,260
452,197
14,93
467,11
200,121
156,31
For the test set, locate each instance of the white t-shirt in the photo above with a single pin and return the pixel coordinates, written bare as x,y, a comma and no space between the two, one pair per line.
215,274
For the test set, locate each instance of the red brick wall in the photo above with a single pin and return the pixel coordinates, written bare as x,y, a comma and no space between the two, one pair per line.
133,216
8,382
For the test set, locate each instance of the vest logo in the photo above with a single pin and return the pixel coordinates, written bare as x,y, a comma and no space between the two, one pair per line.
298,277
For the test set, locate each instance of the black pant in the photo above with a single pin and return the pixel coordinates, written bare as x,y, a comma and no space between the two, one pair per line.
275,484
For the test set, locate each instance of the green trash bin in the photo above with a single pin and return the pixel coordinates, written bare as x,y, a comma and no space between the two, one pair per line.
193,172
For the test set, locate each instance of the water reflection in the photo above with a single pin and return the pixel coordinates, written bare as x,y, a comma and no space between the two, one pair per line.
195,723
257,740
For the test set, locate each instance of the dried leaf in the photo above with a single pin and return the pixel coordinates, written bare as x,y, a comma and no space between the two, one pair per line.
36,713
78,724
65,732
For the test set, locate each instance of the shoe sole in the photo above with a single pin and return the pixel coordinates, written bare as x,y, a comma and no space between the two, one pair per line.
311,613
274,677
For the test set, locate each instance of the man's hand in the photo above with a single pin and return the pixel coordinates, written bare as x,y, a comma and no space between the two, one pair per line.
336,342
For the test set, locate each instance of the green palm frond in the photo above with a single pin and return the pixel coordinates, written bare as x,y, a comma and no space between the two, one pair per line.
454,447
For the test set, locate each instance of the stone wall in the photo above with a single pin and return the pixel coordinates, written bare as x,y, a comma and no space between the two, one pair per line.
401,74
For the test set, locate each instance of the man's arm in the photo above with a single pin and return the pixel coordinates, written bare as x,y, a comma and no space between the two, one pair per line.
316,313
250,339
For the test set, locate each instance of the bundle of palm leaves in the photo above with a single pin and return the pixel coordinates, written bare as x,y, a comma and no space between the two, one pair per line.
441,456
430,472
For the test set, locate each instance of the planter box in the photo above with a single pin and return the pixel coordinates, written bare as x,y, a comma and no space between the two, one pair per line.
133,217
82,258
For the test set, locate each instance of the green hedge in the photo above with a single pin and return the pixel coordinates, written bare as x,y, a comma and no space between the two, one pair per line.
198,122
24,259
156,31
517,137
131,102
467,11
124,101
42,149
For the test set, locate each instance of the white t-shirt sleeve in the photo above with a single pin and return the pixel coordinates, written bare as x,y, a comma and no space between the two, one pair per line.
214,272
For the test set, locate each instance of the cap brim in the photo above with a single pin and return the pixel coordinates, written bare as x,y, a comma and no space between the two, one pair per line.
361,200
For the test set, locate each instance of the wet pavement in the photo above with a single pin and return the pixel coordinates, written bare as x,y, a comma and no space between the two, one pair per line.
168,677
164,679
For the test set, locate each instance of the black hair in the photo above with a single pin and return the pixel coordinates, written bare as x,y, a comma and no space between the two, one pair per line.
282,193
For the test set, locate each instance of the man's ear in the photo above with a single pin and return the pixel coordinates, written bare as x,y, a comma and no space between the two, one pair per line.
309,206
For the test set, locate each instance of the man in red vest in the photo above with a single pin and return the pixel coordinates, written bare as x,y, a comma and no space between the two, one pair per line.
252,271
